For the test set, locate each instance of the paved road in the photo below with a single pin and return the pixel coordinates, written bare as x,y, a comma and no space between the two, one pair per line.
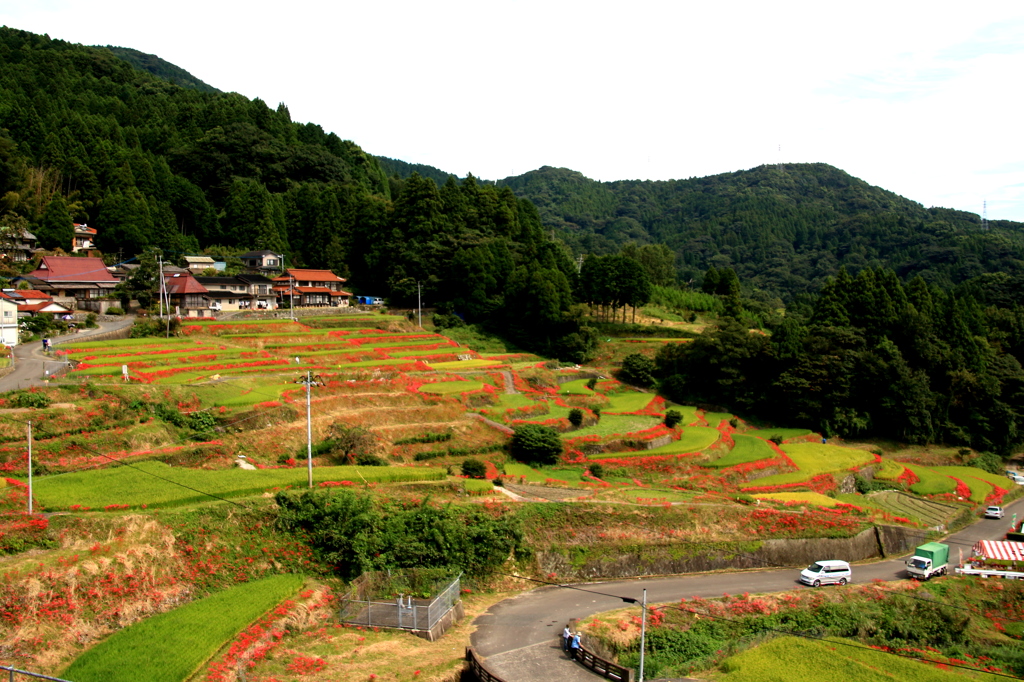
31,364
518,636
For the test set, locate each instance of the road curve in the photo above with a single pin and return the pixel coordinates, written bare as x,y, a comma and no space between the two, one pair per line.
518,636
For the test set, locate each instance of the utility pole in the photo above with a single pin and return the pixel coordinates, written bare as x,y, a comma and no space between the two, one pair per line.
419,303
309,381
29,467
643,633
309,428
291,295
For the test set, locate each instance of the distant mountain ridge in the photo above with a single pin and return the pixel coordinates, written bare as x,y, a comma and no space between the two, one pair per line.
784,230
160,68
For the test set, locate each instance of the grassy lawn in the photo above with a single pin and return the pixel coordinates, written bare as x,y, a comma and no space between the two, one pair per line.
514,400
450,387
171,646
813,459
716,418
542,475
128,485
791,658
627,402
747,449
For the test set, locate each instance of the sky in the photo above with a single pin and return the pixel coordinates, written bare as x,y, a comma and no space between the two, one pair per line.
920,98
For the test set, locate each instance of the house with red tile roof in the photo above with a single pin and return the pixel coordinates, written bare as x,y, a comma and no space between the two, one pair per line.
188,297
71,281
311,288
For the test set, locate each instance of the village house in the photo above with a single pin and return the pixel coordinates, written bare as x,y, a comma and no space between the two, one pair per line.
21,247
311,288
188,297
73,282
242,292
8,321
198,264
262,262
84,240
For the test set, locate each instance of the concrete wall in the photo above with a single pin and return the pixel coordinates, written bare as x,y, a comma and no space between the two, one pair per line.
671,559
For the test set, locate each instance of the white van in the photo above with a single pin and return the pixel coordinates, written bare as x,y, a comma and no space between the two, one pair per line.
825,572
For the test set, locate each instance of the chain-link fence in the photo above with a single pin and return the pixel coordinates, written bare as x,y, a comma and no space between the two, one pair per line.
408,609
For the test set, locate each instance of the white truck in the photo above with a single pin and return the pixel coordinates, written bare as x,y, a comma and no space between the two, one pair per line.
996,559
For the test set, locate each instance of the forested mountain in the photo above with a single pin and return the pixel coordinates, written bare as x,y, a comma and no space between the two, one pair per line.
150,63
782,230
402,169
85,136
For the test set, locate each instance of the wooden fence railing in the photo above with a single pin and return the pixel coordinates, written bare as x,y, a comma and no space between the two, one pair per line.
605,669
477,667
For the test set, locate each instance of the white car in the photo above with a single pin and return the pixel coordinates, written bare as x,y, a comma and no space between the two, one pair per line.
994,513
826,572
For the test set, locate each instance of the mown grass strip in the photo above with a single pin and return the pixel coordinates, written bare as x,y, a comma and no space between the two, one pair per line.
806,497
466,364
128,485
747,449
575,387
783,433
171,646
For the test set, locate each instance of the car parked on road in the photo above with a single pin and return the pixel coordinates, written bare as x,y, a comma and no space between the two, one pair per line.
826,572
994,513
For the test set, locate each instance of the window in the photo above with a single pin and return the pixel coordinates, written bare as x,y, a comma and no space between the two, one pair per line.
271,262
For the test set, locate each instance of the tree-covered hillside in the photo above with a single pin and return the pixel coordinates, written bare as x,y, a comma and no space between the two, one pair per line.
149,164
782,230
150,63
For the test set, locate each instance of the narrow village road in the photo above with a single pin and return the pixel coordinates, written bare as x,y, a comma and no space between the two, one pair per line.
518,636
31,364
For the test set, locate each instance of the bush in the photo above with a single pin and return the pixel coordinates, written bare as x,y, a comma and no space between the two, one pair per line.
591,383
365,459
638,370
989,462
777,439
672,418
474,468
535,444
90,321
597,471
576,417
112,310
29,399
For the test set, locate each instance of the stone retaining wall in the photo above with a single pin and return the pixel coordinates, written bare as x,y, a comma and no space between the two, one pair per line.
672,559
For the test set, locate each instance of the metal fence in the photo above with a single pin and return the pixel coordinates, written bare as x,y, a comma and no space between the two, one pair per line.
14,671
405,612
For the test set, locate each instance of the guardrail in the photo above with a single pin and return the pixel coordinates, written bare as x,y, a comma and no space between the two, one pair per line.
477,667
14,671
606,669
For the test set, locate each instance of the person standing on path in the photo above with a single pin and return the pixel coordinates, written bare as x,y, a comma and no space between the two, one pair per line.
575,646
566,638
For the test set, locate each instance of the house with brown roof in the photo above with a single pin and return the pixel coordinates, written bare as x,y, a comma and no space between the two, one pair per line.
311,288
72,281
262,262
188,297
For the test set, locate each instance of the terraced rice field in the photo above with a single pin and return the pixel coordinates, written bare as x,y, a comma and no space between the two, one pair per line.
746,449
928,512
